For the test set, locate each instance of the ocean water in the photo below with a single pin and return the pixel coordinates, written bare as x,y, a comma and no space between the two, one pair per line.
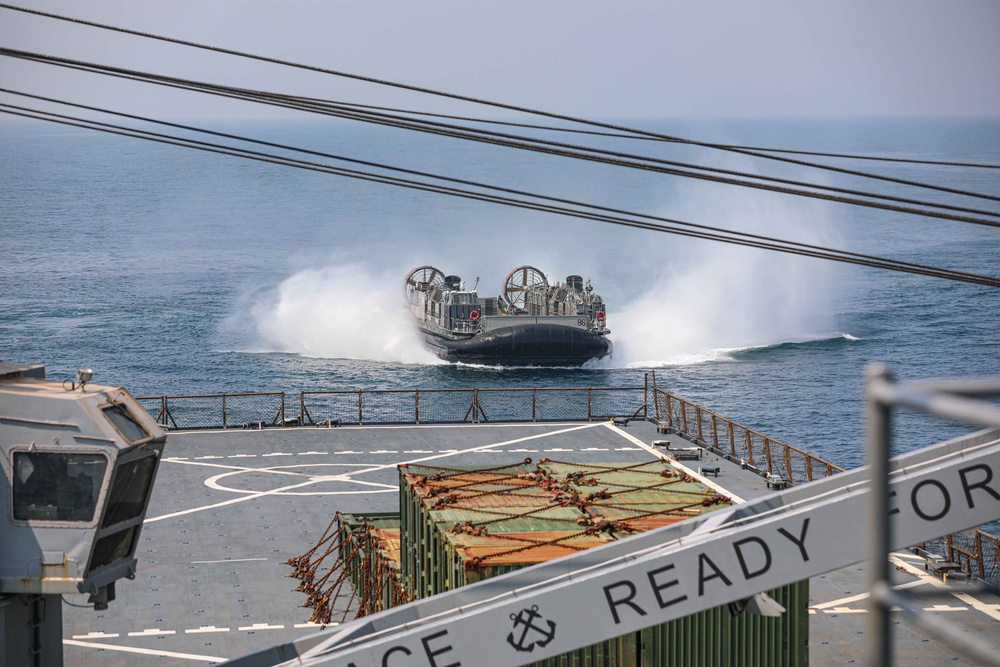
171,271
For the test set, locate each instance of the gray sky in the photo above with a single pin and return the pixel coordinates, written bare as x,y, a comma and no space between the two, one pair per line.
581,57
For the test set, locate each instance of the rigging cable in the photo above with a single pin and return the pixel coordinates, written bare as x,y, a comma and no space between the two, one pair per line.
419,89
790,247
619,135
552,148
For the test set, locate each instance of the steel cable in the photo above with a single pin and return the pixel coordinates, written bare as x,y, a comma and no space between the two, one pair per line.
724,236
547,147
414,88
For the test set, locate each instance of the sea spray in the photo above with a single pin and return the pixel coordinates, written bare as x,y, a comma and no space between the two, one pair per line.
341,311
709,299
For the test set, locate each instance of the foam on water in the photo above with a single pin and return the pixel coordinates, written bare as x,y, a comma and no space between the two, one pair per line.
711,299
341,311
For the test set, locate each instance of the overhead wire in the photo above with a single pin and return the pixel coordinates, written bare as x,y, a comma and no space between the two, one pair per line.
414,88
549,147
749,240
620,135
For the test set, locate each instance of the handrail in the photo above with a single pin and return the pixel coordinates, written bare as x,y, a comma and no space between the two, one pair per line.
771,456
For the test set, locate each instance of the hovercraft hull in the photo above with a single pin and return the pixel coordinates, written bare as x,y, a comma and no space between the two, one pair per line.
525,345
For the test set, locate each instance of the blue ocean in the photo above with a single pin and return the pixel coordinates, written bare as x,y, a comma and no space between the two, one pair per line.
171,271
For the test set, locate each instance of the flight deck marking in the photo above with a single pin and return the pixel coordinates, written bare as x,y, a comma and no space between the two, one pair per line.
152,632
97,635
276,470
261,626
663,457
285,489
864,596
205,628
144,651
991,610
213,482
227,560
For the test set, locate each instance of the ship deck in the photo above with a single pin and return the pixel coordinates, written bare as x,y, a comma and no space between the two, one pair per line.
230,507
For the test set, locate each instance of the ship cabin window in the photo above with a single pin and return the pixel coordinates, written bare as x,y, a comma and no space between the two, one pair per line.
57,486
463,298
130,490
125,423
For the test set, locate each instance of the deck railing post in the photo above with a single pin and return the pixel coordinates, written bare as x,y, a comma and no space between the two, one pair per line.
534,404
645,396
879,429
590,404
223,411
360,407
767,454
416,405
697,417
979,554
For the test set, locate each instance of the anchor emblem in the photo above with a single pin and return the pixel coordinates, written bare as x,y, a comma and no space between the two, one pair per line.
525,618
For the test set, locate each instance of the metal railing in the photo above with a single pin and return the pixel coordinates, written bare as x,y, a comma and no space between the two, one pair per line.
738,442
956,400
475,405
197,411
976,552
398,406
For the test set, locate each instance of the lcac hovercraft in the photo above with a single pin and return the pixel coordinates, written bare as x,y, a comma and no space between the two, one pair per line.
531,323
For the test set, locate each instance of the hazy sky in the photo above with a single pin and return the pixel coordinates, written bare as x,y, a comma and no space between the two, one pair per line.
579,57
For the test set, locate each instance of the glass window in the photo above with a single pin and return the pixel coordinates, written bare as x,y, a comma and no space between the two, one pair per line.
57,486
112,547
129,490
125,422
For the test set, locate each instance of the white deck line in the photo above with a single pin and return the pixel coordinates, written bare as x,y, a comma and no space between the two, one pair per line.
145,651
660,455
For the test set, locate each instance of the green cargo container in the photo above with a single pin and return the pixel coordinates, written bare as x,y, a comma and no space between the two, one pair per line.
460,525
369,555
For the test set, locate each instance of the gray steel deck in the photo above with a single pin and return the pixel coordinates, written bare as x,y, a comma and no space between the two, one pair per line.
230,507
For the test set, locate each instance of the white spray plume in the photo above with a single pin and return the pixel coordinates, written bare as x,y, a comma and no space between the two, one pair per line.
342,312
710,299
